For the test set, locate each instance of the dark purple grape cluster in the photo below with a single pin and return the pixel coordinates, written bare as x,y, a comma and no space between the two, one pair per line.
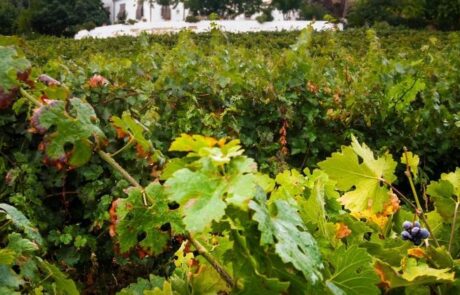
413,232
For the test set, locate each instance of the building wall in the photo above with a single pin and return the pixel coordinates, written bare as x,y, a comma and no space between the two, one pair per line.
178,13
151,13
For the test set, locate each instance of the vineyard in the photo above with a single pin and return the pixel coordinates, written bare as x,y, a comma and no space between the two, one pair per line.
268,163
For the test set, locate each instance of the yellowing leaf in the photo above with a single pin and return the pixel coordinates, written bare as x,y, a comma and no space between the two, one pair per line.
191,143
218,152
183,258
380,218
412,160
416,252
362,181
7,256
342,230
411,273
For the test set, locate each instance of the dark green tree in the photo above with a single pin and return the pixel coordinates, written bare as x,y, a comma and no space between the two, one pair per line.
224,8
66,17
441,14
287,5
8,15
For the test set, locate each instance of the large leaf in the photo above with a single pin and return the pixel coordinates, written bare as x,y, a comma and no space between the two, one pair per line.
445,193
280,225
200,198
353,272
135,219
361,180
75,124
204,195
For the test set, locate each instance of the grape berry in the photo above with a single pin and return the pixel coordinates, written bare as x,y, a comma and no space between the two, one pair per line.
413,232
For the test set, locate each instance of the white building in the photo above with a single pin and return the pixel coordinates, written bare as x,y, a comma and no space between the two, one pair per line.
129,10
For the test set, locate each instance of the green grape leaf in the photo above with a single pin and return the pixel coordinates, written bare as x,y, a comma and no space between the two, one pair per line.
134,129
353,272
281,225
11,63
412,160
63,284
165,290
8,278
442,193
291,183
7,256
391,251
411,273
259,284
240,257
312,204
142,285
21,222
366,177
204,195
206,281
405,91
134,219
200,198
75,124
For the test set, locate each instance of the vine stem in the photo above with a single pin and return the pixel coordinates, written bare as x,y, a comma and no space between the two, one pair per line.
106,157
452,230
30,97
408,174
214,263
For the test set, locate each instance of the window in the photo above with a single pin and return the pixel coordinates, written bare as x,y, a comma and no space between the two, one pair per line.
121,16
140,11
166,12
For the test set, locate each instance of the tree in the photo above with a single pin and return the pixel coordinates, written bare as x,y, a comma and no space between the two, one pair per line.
224,8
8,15
441,14
66,17
287,5
444,14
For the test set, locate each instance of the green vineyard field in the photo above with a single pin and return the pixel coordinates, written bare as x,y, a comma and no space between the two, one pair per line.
269,163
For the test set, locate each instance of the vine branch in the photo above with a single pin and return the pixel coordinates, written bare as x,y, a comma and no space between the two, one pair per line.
214,263
30,97
106,157
452,230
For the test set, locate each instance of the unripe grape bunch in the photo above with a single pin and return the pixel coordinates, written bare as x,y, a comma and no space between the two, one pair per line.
414,233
